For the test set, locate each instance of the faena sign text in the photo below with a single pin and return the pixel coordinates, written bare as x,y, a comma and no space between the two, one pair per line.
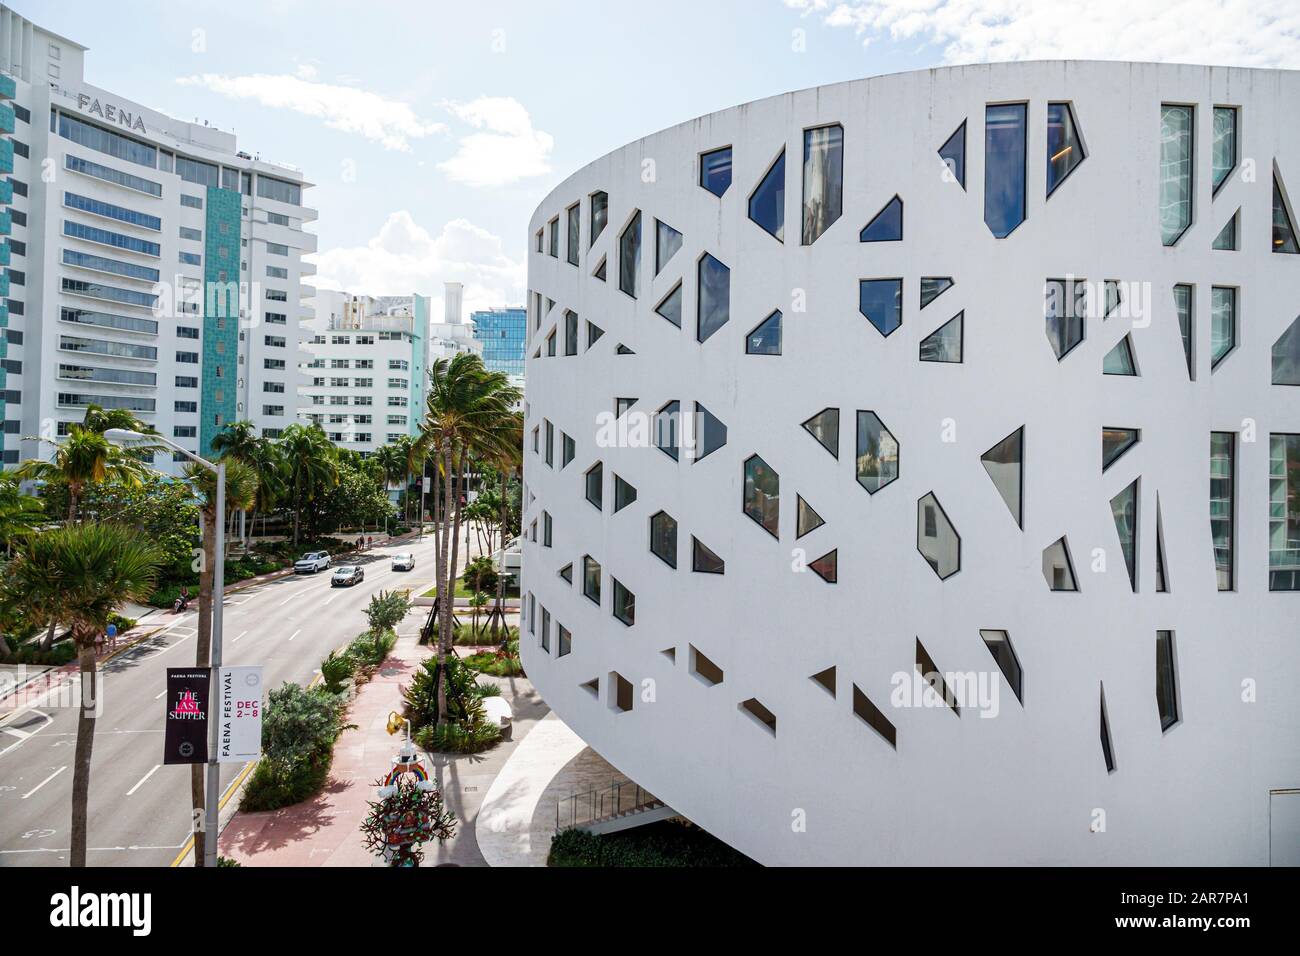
110,113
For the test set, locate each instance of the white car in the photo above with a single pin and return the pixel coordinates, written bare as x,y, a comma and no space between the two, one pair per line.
311,562
404,562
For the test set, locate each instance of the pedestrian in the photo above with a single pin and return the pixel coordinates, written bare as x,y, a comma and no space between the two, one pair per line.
112,638
99,645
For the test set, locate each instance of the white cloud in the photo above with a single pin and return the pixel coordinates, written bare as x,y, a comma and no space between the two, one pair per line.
1259,33
406,258
508,149
388,122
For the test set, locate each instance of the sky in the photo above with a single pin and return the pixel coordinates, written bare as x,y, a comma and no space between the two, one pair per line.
431,129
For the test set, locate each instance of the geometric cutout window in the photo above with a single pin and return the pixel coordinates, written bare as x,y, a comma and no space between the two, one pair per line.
999,645
1286,356
1166,680
1112,297
1176,147
714,297
1005,464
667,242
808,519
825,679
591,578
1064,147
629,256
931,674
566,572
1223,505
594,332
592,686
877,457
936,538
715,170
944,343
1284,238
1223,153
825,426
1226,240
1107,751
564,640
1283,512
887,226
1223,323
601,273
823,180
872,716
595,482
1004,167
1119,360
599,215
546,529
624,603
624,494
670,307
953,154
881,301
623,350
710,432
574,219
767,201
621,405
570,332
567,449
762,494
623,695
1115,442
1162,583
703,668
1058,569
703,560
1124,509
932,287
760,714
1183,306
765,338
826,567
665,429
663,538
546,630
1065,308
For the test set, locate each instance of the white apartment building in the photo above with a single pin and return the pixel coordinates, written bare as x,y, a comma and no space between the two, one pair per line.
365,381
130,234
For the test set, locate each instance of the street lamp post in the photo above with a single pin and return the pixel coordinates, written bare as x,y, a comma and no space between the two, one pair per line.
122,436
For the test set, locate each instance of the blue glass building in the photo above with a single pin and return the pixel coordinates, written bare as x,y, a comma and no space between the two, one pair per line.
502,332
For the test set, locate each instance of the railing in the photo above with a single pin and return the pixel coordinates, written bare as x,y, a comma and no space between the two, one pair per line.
621,798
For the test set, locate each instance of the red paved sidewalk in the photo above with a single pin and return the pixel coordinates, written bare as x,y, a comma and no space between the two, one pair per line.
325,831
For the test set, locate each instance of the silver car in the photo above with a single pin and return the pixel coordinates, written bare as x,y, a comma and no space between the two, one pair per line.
403,562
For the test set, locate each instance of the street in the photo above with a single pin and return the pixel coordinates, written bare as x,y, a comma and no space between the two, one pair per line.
139,810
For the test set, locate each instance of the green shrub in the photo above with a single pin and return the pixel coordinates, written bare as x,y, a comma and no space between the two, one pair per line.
299,728
369,648
465,635
457,738
487,689
497,664
337,670
664,843
480,575
61,653
123,623
386,610
421,695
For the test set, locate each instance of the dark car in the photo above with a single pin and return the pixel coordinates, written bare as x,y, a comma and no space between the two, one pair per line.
346,575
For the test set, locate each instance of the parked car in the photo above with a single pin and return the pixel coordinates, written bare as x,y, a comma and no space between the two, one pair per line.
346,575
311,562
404,562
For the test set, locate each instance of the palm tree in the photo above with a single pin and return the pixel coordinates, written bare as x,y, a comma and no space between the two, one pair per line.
464,410
395,460
311,466
238,440
82,573
241,492
509,461
20,514
84,458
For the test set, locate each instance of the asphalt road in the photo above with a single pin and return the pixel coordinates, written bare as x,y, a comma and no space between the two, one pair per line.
139,810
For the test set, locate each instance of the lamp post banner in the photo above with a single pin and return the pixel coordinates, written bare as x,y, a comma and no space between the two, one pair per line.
186,738
239,714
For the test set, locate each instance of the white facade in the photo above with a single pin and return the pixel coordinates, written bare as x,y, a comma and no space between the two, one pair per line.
824,785
364,383
107,178
453,334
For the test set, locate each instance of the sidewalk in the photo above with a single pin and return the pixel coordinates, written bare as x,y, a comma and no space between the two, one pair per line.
325,831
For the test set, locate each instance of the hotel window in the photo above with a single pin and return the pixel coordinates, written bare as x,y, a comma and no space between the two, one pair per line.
762,494
877,453
190,259
599,216
715,170
1184,306
1222,506
591,578
713,298
663,538
624,603
275,272
186,406
191,358
186,332
1224,150
1064,146
571,251
1223,323
594,485
550,443
823,180
553,238
1176,152
1004,167
1284,513
570,332
936,538
1065,306
629,255
277,249
767,201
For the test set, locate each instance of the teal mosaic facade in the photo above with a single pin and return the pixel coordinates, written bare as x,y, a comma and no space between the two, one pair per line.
221,277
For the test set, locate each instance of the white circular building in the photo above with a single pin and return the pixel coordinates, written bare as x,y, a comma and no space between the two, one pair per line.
912,467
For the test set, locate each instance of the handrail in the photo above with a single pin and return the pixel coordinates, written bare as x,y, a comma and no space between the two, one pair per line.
604,803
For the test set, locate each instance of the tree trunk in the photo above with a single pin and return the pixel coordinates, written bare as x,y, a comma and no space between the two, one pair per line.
5,650
202,658
72,504
445,588
453,519
501,569
85,745
48,641
297,511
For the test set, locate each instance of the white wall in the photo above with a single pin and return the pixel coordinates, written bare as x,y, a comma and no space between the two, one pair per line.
1020,788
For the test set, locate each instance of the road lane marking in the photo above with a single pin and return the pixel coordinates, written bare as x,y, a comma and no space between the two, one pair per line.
45,781
143,779
235,784
241,634
161,692
295,634
330,599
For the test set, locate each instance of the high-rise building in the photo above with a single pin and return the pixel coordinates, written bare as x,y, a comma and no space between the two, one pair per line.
916,459
453,334
152,264
364,383
502,332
